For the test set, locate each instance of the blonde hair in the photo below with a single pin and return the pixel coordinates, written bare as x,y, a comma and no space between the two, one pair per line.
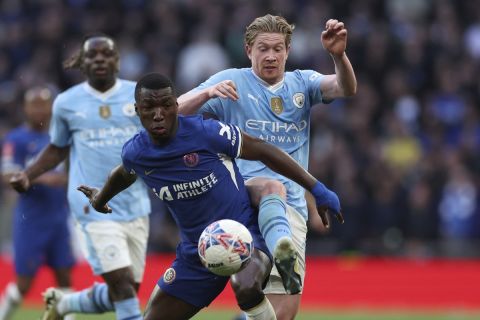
271,24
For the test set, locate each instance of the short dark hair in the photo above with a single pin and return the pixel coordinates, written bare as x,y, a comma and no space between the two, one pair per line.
153,81
75,61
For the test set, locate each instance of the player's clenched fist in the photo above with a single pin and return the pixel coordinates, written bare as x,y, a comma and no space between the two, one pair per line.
20,182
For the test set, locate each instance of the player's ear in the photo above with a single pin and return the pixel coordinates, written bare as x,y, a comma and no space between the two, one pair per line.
136,109
248,51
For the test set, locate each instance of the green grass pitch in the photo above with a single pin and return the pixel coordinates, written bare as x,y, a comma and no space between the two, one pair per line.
214,314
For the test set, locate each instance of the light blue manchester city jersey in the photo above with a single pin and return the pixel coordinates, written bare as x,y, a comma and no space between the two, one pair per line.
96,125
278,114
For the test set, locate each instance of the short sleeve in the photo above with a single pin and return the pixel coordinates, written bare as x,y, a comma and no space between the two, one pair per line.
59,131
214,106
127,157
224,138
313,80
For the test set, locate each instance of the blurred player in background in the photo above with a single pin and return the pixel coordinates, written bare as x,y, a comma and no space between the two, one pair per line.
188,162
41,234
267,102
90,123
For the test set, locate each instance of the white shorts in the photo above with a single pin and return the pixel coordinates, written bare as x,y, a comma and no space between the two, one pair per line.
111,245
298,226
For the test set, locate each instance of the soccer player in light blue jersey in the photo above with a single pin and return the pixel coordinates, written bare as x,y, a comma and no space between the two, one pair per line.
274,105
90,123
190,164
41,234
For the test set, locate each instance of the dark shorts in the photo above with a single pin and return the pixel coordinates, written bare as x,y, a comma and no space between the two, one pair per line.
36,245
188,280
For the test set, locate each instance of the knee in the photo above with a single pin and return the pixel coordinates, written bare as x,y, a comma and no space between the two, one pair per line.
260,187
248,294
121,288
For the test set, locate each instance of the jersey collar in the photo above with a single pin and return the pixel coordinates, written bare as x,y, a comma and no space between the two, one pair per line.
271,88
102,95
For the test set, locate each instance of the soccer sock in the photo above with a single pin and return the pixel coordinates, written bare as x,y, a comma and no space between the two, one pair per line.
91,300
263,311
68,290
128,309
9,301
272,220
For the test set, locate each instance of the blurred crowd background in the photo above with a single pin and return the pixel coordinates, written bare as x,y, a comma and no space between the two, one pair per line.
403,154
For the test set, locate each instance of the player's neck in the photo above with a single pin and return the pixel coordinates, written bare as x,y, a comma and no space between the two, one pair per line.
38,127
102,85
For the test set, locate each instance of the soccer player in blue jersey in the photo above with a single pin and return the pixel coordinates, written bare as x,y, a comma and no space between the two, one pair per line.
274,105
189,163
41,234
90,123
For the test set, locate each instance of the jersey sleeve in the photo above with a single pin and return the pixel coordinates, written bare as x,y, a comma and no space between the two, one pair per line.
13,159
59,131
313,80
128,156
224,138
214,106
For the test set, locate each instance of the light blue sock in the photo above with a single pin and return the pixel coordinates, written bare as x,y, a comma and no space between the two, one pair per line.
272,220
128,309
91,300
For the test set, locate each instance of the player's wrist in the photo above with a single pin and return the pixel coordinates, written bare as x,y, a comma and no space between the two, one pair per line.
319,191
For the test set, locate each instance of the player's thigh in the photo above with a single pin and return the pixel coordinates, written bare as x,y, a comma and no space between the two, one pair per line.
260,186
161,305
298,227
137,231
104,245
286,306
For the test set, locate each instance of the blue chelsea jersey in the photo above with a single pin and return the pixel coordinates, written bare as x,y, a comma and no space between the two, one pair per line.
95,125
278,114
194,174
41,204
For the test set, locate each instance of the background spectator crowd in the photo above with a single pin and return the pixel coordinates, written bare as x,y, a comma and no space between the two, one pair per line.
403,154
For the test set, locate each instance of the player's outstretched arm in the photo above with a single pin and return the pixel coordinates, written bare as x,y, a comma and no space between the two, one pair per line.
118,180
190,102
343,83
282,163
49,158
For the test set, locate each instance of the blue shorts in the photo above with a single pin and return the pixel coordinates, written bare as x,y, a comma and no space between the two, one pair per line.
35,245
188,280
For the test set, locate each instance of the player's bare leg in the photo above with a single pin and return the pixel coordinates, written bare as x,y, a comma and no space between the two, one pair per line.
162,306
248,286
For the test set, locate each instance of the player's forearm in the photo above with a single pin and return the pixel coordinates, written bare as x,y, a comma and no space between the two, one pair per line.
277,160
49,158
190,102
117,181
52,179
346,79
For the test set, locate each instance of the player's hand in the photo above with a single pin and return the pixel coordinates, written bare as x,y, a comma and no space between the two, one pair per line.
20,181
225,89
327,202
91,194
334,37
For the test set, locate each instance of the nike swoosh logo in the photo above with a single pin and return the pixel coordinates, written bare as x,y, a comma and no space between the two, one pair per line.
148,172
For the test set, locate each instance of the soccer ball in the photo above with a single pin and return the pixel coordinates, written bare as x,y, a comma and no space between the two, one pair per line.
225,247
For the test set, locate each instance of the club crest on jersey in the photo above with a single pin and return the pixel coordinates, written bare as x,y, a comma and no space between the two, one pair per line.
299,100
169,275
276,105
191,159
129,110
105,111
